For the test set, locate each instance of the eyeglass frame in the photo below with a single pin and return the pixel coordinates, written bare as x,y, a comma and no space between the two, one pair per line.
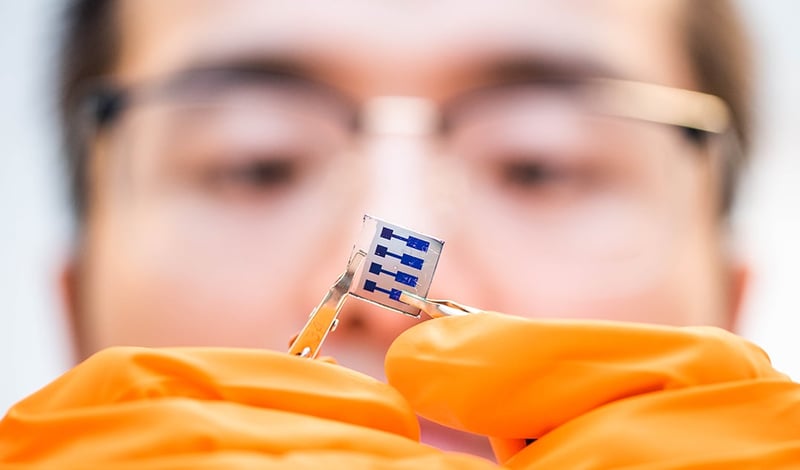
699,114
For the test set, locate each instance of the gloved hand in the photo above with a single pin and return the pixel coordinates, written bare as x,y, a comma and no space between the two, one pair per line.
135,408
601,394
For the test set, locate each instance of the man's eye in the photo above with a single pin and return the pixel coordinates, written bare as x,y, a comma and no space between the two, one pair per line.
531,175
255,176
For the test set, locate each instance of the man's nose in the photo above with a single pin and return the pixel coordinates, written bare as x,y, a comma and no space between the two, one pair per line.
397,151
398,147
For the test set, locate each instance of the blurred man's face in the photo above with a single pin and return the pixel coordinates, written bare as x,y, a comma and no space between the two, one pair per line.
225,203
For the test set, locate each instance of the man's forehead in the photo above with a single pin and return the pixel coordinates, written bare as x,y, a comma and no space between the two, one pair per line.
368,40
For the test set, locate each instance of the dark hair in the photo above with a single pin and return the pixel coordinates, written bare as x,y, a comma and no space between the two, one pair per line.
717,45
89,51
719,51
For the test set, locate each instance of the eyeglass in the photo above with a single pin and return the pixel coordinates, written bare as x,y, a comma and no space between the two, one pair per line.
549,153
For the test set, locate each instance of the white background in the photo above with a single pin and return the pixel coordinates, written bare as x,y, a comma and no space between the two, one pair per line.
34,223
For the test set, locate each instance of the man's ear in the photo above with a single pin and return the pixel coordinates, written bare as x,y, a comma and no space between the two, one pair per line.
69,290
739,275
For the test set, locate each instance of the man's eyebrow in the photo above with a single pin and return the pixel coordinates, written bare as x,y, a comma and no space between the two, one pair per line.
267,66
289,71
522,68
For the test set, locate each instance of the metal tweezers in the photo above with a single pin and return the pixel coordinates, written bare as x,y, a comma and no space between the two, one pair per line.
324,318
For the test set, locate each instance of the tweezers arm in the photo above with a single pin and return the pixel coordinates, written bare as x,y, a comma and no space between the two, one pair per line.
437,308
323,318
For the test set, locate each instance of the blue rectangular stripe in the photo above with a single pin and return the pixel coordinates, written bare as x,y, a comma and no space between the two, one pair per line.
417,243
406,279
412,261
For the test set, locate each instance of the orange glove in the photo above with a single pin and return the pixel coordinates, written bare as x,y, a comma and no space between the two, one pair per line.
134,408
601,394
